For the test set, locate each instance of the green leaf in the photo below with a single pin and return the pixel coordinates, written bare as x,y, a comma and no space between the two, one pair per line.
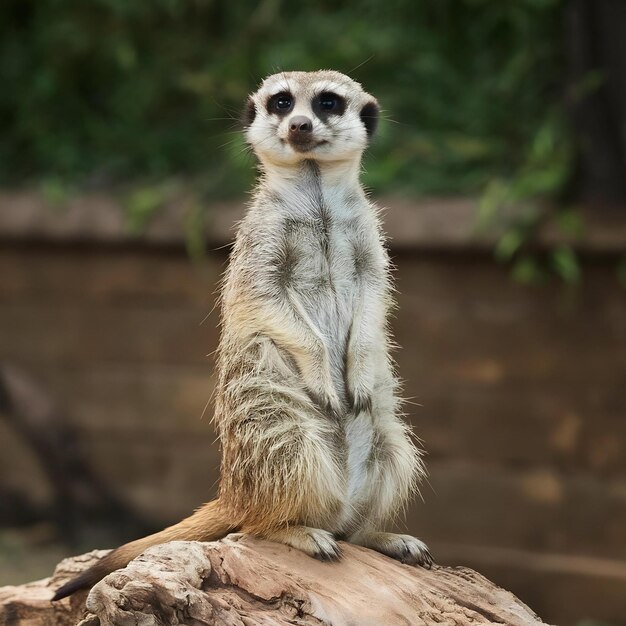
141,204
566,264
527,270
509,244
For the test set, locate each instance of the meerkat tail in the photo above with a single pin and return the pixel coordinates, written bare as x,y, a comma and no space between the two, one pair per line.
208,523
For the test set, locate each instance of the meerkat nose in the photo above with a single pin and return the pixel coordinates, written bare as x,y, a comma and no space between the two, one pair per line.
300,124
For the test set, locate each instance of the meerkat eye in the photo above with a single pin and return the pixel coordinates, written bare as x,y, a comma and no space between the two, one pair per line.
329,103
281,103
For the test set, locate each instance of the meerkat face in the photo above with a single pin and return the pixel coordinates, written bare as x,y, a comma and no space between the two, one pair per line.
322,116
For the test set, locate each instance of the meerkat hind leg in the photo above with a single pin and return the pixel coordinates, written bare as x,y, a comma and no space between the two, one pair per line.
315,542
404,548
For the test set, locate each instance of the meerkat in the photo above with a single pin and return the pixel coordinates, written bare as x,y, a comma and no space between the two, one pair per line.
306,406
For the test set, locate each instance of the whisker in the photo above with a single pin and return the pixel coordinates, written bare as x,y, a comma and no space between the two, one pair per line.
220,119
228,143
354,69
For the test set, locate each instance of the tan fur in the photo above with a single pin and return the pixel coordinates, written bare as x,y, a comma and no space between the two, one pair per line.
306,409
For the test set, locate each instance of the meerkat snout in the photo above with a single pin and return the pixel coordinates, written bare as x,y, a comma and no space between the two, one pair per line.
300,125
300,135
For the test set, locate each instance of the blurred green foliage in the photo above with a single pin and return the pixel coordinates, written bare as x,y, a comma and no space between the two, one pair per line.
105,92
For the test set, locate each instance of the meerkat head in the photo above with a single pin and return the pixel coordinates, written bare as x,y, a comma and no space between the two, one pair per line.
321,116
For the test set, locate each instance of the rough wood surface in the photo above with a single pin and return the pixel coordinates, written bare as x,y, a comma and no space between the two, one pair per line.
243,581
29,605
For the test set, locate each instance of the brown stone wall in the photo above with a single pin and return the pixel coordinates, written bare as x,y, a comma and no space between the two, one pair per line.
517,393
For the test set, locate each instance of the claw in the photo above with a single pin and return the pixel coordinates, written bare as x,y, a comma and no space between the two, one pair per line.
326,404
362,405
328,555
428,560
404,548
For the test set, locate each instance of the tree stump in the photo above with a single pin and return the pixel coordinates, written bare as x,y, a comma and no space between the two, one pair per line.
245,581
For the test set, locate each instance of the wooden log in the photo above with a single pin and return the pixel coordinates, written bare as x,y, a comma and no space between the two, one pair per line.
241,580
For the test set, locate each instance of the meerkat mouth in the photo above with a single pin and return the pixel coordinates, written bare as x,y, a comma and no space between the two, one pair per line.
305,145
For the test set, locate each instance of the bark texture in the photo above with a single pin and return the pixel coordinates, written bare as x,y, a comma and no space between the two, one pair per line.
243,581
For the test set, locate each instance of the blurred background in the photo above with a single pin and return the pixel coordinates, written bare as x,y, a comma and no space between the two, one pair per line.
501,161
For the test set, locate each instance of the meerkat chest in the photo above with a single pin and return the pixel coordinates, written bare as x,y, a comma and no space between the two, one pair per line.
328,256
330,264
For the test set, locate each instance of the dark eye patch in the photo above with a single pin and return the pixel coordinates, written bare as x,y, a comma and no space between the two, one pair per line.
281,104
328,103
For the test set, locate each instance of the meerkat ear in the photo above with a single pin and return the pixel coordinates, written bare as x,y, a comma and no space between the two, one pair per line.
249,113
369,116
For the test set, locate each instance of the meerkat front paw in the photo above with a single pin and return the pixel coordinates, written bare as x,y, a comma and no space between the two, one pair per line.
403,548
359,385
327,400
359,401
318,543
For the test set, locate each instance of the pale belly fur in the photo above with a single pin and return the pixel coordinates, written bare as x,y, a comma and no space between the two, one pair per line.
331,309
